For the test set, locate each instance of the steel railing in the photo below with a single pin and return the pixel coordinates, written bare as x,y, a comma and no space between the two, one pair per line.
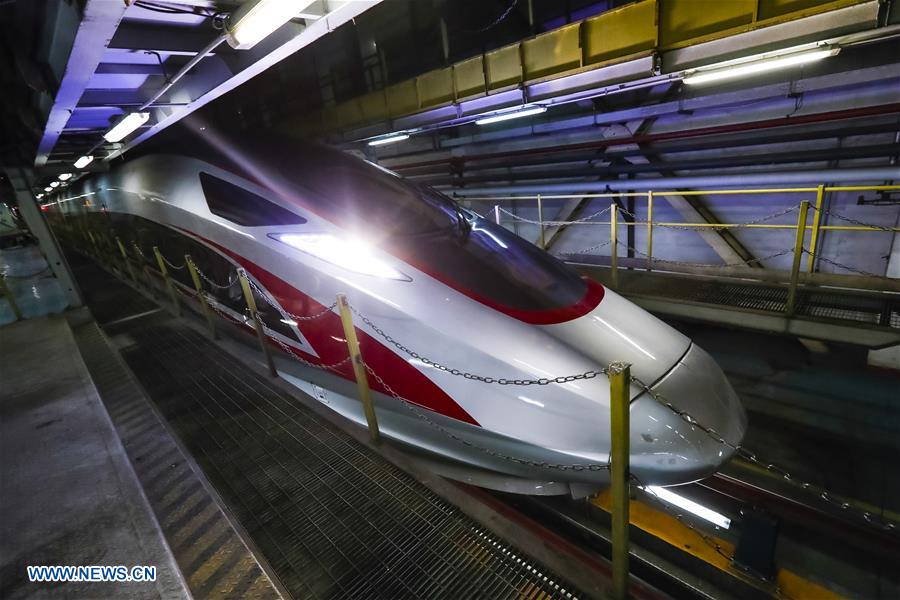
812,226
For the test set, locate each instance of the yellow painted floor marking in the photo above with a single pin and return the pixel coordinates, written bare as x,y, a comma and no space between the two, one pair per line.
670,530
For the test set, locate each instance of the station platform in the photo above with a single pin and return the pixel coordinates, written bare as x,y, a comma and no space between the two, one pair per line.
242,489
862,317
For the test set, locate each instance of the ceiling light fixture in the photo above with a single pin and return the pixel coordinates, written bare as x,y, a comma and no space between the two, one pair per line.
525,111
65,176
253,21
53,184
126,126
83,161
397,137
754,65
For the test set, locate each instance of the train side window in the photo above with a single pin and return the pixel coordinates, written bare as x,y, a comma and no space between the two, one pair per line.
243,207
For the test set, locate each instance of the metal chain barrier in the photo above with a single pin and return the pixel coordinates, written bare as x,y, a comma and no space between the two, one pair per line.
232,279
465,374
412,407
169,263
834,263
582,220
758,221
284,312
852,220
750,456
290,352
693,264
589,249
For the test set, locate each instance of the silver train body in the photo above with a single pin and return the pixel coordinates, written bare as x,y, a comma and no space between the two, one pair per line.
448,287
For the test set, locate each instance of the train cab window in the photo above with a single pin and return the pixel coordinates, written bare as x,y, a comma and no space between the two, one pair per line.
242,206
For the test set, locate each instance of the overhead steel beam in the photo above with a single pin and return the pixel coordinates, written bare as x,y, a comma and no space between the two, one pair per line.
100,19
245,65
160,38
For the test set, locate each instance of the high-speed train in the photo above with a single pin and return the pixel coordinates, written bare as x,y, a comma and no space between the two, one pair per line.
449,287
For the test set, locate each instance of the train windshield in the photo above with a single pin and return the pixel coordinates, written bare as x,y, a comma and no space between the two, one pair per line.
430,231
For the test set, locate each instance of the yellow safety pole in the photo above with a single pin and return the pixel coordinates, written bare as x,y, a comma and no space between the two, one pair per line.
359,367
540,208
619,400
798,254
650,230
257,322
614,244
5,291
176,307
126,259
195,277
817,221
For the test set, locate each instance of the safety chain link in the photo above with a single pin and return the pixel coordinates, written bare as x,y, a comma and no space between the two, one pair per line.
852,220
232,279
289,315
847,267
414,408
290,351
758,221
582,220
750,456
590,249
169,263
465,374
694,264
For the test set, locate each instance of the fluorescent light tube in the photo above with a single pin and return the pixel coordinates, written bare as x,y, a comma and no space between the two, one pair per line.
83,161
752,67
65,176
389,139
666,495
253,21
48,189
513,114
53,184
126,126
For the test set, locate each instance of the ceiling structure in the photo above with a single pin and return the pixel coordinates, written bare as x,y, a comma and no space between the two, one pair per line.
106,59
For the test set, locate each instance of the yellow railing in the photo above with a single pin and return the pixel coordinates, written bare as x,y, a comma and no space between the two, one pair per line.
811,226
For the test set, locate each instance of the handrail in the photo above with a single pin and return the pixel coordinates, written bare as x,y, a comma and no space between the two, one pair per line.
814,225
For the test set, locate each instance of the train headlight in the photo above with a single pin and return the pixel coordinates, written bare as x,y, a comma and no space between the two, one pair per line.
348,254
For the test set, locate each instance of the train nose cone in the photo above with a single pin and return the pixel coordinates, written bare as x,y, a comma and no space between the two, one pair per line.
666,449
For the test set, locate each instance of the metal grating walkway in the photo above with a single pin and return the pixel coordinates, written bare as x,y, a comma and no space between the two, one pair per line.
820,304
331,518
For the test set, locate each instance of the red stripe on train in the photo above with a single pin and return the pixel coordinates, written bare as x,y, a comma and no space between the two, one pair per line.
326,335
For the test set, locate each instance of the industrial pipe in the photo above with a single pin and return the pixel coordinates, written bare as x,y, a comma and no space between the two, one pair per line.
867,174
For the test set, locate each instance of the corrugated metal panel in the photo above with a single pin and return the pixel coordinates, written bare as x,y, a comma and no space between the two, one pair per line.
402,98
620,32
469,77
350,112
681,20
769,9
553,52
374,106
436,87
504,67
